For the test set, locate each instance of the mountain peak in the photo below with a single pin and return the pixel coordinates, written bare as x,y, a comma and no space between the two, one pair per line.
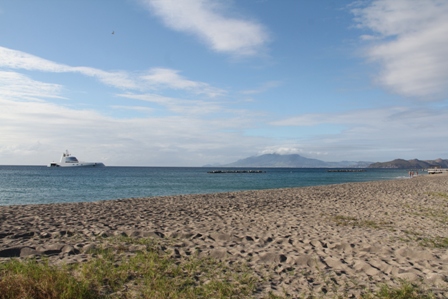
414,163
291,160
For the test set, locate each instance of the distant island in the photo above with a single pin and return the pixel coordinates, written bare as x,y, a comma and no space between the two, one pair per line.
292,161
298,161
411,164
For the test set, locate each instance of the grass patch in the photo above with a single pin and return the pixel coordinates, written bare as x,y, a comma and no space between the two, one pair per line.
155,276
41,281
438,215
439,194
435,242
432,242
114,273
353,221
406,290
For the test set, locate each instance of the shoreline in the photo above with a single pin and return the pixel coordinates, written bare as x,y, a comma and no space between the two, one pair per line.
222,192
38,186
356,235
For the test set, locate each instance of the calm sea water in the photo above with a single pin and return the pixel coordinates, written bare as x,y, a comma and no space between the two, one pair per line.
39,184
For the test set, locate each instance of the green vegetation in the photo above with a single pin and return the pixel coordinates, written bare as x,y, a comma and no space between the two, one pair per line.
147,272
439,194
113,273
41,281
353,221
406,290
433,242
436,242
436,214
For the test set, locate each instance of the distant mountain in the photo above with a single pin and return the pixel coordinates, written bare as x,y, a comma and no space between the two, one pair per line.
411,164
297,161
293,161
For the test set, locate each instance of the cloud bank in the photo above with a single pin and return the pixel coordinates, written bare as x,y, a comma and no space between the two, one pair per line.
408,45
18,86
170,131
152,79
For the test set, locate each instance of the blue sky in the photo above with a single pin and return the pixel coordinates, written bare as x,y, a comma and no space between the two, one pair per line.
195,82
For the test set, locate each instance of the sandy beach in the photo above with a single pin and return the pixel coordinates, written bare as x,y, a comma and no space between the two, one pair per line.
335,239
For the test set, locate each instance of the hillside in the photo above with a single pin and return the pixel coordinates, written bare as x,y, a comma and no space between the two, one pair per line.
293,161
411,164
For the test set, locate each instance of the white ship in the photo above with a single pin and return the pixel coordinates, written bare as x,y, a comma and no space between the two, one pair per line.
67,160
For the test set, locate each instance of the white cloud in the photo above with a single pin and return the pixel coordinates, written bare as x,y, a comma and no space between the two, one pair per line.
176,105
210,110
206,19
155,78
158,141
383,133
13,59
281,150
171,131
410,44
17,86
370,116
169,78
20,60
292,148
134,108
120,79
368,37
376,120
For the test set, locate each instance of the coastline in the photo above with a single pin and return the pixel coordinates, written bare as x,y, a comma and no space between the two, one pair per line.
355,236
40,185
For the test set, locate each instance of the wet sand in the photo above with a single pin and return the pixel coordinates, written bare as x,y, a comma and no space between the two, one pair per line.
335,239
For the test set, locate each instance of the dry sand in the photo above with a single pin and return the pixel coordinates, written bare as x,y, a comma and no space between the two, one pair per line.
317,240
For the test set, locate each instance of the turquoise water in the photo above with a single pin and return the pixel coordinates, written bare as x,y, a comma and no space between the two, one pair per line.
39,184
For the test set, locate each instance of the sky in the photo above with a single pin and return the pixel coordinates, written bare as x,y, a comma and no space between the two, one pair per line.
197,82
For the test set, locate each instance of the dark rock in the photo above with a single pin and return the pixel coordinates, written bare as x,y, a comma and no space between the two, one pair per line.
4,234
11,252
23,235
283,258
66,233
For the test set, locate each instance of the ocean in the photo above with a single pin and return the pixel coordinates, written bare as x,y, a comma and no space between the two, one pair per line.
39,184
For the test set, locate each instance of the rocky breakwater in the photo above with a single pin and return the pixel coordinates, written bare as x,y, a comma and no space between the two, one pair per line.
236,171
